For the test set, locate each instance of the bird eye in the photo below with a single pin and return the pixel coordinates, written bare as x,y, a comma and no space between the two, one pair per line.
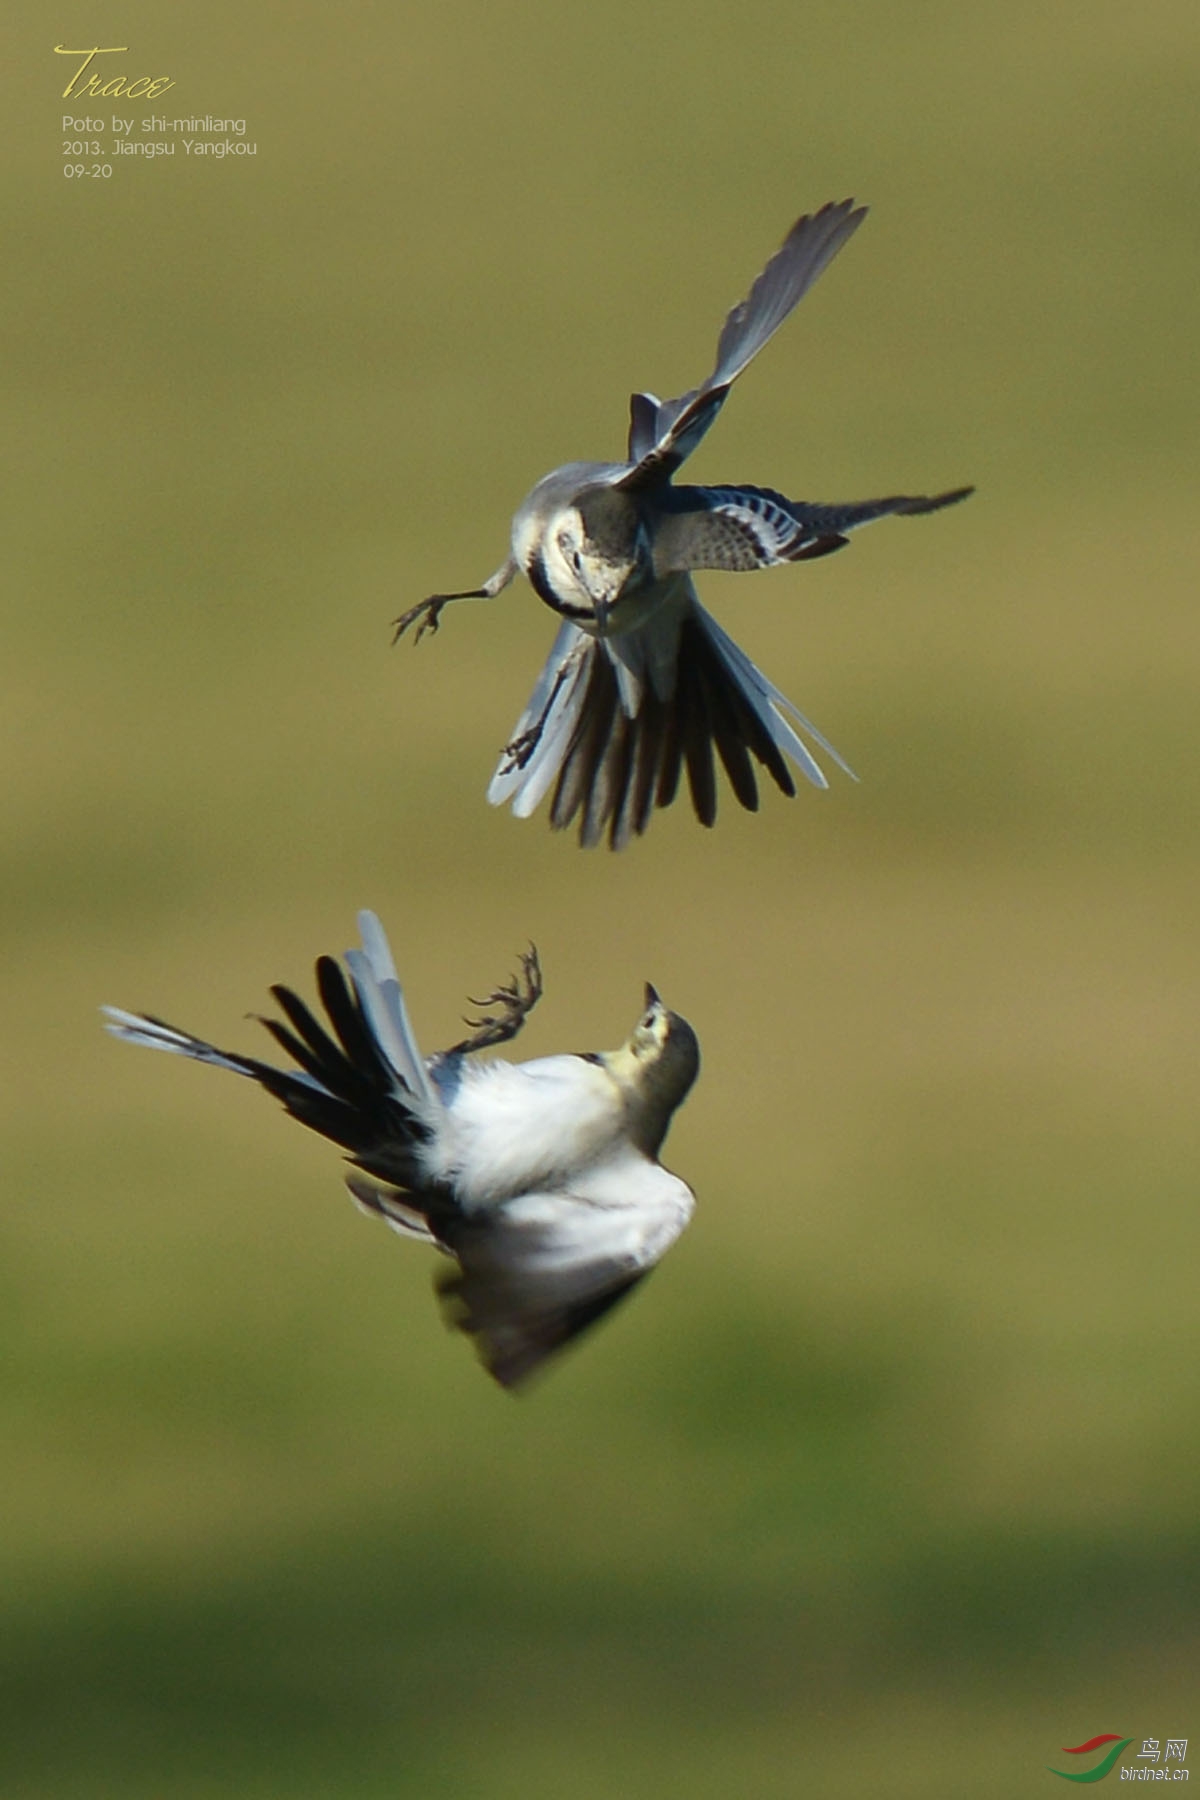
570,551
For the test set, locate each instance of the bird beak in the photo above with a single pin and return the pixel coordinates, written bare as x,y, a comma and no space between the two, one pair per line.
652,995
602,611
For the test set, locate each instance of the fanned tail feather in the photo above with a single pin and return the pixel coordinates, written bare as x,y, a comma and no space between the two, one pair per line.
610,746
364,1087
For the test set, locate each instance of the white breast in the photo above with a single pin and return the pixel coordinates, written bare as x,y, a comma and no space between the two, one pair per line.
512,1128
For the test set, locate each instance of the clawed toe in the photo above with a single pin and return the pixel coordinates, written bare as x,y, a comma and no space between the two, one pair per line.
514,1002
428,612
518,753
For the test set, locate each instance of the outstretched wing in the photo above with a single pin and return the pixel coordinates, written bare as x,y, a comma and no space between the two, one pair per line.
663,433
538,1271
742,528
364,1087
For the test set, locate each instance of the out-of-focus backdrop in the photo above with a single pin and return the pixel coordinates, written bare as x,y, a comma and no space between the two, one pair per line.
888,1481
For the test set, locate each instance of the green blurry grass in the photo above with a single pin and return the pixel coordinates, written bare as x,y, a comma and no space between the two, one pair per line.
888,1481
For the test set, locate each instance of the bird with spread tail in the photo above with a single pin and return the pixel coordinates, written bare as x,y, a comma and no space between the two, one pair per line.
540,1180
641,682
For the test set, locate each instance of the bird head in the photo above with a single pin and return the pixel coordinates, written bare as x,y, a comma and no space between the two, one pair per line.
595,549
656,1066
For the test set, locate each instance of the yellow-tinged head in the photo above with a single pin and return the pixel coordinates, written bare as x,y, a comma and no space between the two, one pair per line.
655,1068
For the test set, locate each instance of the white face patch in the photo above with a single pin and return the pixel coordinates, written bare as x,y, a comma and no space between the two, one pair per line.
569,543
577,568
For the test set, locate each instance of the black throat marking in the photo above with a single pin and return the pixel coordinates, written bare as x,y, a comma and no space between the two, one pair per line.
539,581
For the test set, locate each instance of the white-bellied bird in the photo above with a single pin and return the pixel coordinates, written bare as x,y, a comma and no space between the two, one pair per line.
641,681
540,1180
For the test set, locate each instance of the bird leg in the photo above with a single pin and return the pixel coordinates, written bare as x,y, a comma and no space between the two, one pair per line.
429,611
514,1003
522,747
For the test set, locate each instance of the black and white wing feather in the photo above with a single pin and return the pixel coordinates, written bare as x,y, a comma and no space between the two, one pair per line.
548,1266
663,433
742,528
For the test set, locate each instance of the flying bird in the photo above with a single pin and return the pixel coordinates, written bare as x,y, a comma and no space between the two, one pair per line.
539,1180
641,681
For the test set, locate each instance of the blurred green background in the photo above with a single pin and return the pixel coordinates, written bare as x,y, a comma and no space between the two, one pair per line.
889,1481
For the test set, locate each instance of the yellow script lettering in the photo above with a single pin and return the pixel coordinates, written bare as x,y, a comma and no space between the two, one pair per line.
144,86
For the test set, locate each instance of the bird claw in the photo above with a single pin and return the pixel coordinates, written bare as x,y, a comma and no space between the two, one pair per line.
518,753
429,613
514,1002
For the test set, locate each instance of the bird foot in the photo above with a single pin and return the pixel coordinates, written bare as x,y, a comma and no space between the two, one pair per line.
513,1002
428,612
518,753
525,743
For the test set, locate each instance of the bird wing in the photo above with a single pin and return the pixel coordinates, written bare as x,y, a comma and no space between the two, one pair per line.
364,1087
612,724
536,1272
663,433
743,528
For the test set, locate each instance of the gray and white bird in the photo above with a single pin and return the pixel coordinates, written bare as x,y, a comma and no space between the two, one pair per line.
641,681
541,1179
